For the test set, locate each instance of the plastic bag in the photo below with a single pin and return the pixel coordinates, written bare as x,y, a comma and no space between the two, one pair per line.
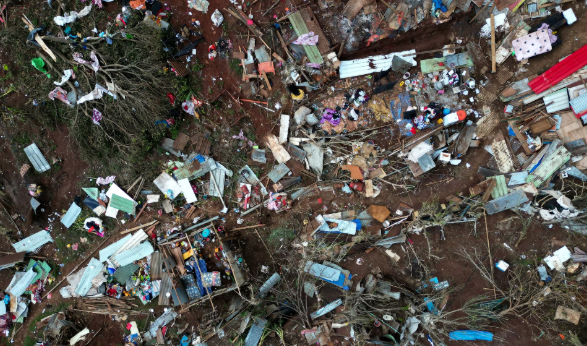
217,18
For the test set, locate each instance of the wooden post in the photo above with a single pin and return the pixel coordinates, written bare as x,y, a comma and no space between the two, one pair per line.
493,58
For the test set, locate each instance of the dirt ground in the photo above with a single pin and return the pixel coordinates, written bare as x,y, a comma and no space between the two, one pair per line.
61,185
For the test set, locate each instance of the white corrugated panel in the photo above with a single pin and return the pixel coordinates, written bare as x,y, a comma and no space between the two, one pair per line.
92,270
377,63
108,251
558,101
33,242
134,254
20,286
135,240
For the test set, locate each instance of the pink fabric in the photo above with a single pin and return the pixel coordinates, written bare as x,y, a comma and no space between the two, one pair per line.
59,94
96,116
550,34
532,44
78,57
308,39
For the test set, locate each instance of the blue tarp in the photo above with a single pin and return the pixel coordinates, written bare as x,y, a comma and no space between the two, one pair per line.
203,269
470,335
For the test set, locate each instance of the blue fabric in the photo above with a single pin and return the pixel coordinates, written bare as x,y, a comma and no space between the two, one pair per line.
471,335
358,222
511,131
203,269
439,5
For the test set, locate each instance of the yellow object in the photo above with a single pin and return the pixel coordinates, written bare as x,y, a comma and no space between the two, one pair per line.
188,254
298,98
440,121
216,250
68,245
401,83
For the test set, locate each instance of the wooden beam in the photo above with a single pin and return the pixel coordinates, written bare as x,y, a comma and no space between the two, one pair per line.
266,80
39,39
154,222
493,57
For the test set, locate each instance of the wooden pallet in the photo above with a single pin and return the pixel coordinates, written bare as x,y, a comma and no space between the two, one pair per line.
201,143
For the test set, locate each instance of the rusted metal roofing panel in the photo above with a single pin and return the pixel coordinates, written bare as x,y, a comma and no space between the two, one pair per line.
372,64
156,266
352,9
166,287
560,71
548,166
300,28
37,158
506,202
11,260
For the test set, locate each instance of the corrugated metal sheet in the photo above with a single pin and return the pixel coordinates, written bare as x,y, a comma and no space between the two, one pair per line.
108,251
377,63
121,203
548,166
560,71
166,287
37,158
135,240
506,202
278,172
92,270
300,28
518,178
269,284
220,178
161,321
500,188
326,309
426,163
20,286
579,104
560,99
92,192
322,271
262,55
72,214
33,242
156,269
134,254
296,152
122,274
255,332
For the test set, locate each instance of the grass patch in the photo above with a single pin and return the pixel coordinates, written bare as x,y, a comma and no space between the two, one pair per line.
235,66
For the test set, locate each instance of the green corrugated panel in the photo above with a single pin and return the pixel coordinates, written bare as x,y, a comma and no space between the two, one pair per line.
122,274
431,65
501,188
91,191
123,204
300,28
548,166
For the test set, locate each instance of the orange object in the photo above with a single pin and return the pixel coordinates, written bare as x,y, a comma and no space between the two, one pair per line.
562,336
461,114
266,67
355,171
137,4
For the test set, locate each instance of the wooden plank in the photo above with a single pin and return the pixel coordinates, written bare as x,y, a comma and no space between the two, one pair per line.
300,28
522,138
502,155
278,57
266,80
490,188
493,57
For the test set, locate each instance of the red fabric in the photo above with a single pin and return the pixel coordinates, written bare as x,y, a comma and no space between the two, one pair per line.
559,71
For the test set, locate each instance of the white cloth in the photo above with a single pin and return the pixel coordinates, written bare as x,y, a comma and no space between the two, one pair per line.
217,18
72,16
96,94
67,75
